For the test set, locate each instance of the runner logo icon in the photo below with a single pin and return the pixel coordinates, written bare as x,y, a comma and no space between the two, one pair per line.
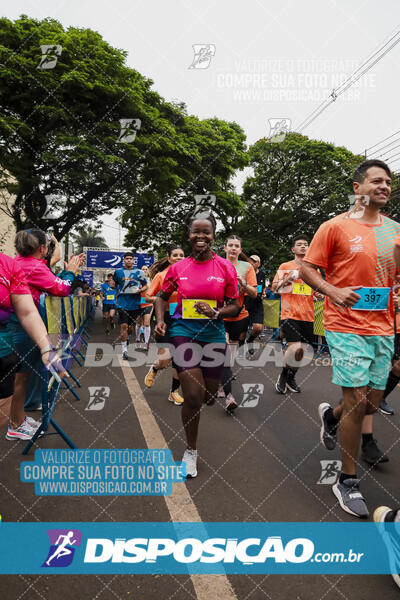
98,397
203,54
63,543
251,394
330,471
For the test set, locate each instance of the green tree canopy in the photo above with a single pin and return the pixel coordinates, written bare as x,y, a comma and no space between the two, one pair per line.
210,152
87,236
60,133
297,184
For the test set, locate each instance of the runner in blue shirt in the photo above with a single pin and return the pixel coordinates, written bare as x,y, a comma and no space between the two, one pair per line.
108,294
130,282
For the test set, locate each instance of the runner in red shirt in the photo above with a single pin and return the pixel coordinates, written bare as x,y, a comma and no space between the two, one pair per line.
356,251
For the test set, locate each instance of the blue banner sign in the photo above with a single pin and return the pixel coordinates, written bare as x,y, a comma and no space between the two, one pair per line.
204,548
88,277
108,259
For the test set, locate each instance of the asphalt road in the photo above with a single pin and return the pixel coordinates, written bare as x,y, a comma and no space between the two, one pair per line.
261,464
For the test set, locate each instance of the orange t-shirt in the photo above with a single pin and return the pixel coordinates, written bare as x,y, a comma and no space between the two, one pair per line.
296,304
245,270
356,254
156,286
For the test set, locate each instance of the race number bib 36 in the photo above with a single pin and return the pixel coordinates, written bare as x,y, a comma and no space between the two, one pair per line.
372,298
189,312
301,289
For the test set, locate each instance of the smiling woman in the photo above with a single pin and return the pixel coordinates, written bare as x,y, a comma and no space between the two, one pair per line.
207,290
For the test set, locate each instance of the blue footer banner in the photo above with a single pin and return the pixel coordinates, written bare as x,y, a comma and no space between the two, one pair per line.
202,548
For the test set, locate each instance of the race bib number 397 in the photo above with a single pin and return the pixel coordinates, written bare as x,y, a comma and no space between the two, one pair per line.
372,298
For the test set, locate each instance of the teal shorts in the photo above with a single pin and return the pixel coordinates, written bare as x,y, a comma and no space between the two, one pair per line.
359,360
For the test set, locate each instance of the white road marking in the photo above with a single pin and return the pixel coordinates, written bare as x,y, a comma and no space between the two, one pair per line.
180,504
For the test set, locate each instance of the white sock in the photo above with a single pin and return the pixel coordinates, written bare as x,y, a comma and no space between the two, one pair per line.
147,331
138,327
124,346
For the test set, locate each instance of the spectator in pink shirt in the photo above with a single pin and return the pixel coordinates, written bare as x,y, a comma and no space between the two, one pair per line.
32,247
15,297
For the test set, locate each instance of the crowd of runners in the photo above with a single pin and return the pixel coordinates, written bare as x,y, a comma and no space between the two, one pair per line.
208,308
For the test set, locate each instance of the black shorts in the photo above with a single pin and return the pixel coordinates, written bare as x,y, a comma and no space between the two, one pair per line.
8,367
108,307
298,331
165,338
145,311
396,354
235,328
256,311
128,316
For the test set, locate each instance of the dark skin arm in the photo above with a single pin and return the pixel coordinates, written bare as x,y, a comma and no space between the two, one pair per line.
230,309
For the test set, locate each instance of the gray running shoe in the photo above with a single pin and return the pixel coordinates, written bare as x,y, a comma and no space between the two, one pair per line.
328,434
190,459
350,498
385,409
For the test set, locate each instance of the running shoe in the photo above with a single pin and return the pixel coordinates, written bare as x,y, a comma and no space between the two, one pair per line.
150,378
391,537
175,397
190,460
230,403
372,455
280,385
291,382
125,356
221,393
385,409
32,422
24,432
350,498
328,434
108,332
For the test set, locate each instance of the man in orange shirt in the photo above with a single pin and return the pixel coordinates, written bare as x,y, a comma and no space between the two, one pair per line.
356,251
297,313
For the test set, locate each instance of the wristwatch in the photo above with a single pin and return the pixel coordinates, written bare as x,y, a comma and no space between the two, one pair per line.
215,315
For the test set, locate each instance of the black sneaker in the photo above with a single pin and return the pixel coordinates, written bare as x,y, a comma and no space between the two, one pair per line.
391,537
328,434
280,385
372,455
291,382
125,356
385,409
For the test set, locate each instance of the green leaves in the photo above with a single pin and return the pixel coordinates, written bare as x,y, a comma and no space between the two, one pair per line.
297,184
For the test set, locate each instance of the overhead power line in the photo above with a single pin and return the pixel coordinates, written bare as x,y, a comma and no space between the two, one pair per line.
384,140
371,61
